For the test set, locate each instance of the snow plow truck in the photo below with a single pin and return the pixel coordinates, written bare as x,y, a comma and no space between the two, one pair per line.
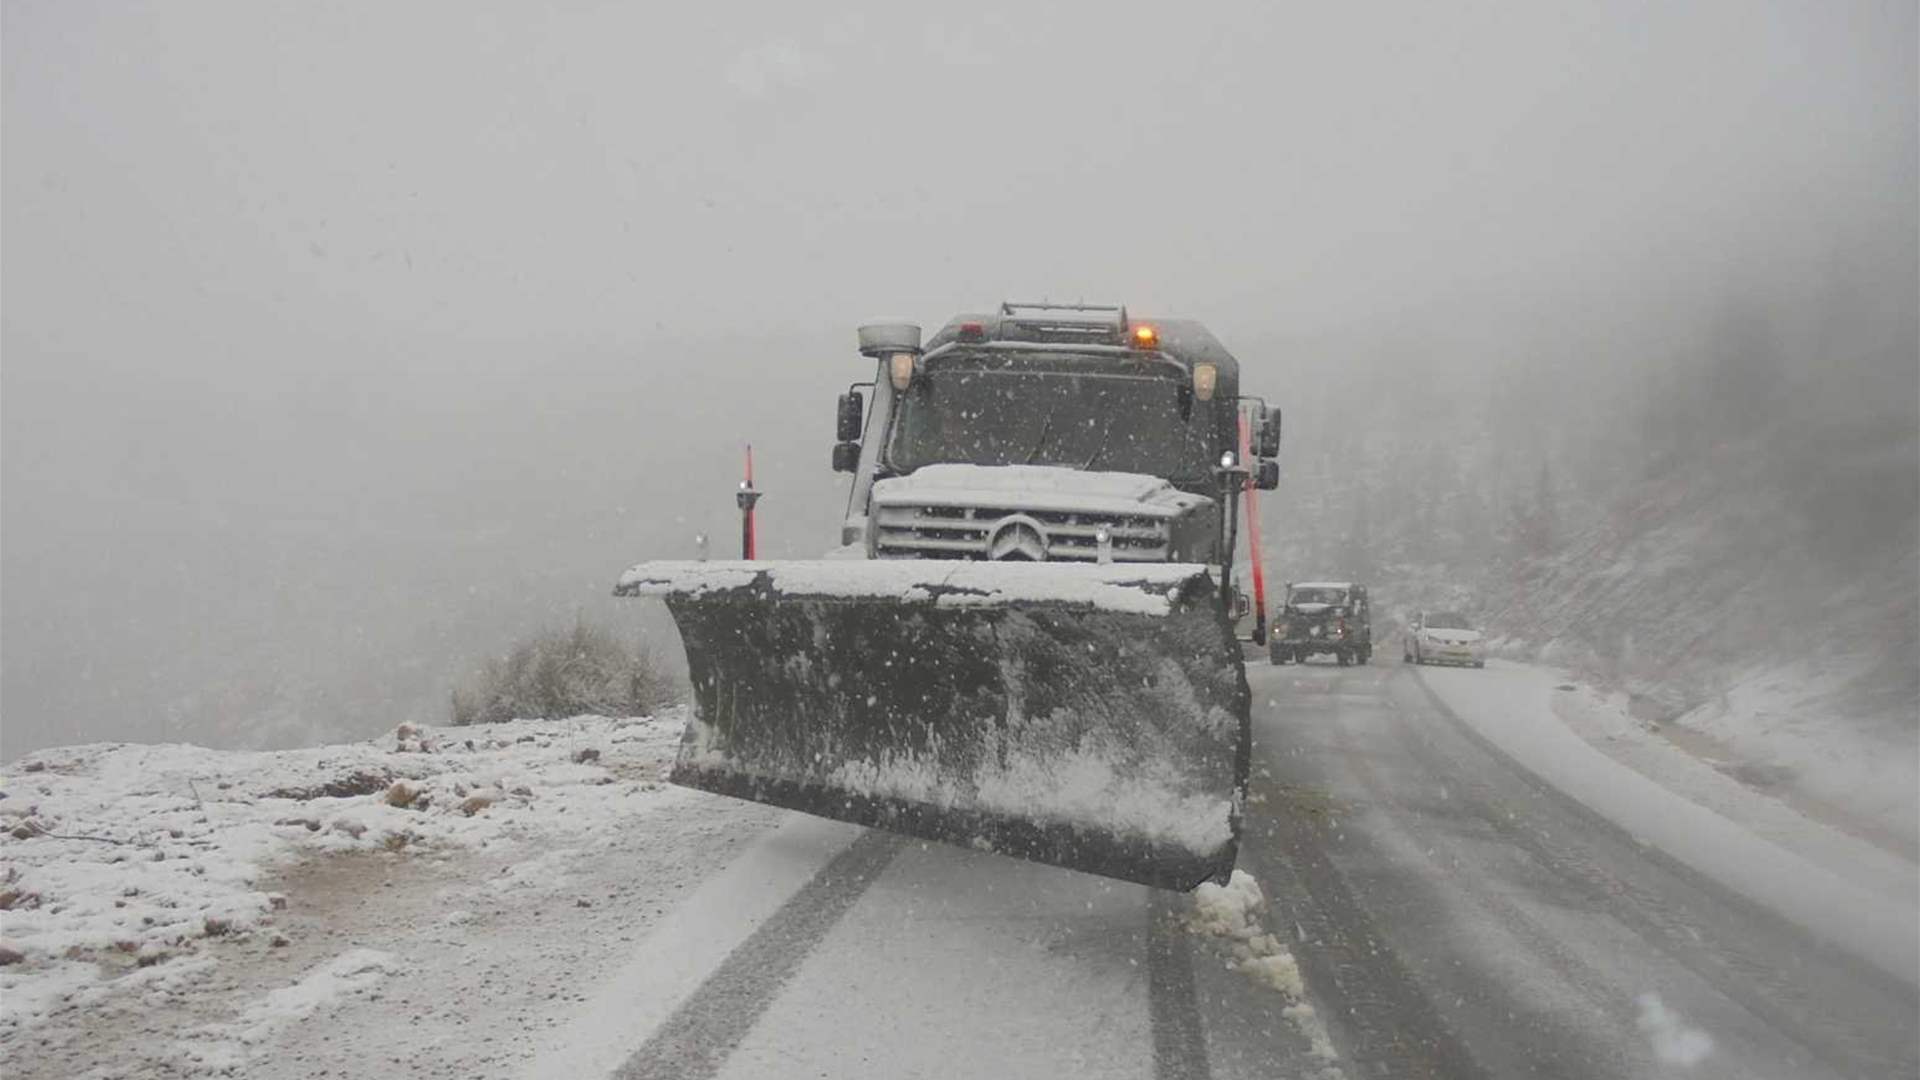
1024,644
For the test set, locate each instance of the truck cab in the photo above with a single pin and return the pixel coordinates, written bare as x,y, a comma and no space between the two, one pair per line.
1046,432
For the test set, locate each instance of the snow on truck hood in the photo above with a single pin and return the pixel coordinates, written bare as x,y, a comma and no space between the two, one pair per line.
1035,487
1454,637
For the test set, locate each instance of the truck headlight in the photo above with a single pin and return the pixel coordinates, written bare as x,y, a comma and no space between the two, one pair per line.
900,369
1205,378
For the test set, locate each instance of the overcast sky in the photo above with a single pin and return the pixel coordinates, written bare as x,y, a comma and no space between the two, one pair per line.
323,320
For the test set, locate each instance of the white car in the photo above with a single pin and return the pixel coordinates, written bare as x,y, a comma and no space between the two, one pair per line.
1443,637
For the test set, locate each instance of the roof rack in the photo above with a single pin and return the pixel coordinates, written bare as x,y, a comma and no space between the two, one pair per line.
1074,320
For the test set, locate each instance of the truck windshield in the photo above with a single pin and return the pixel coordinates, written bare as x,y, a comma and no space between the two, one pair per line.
1446,620
999,410
1312,595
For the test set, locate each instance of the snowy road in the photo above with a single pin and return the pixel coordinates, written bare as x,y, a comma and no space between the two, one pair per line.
1462,917
1466,879
900,959
1453,916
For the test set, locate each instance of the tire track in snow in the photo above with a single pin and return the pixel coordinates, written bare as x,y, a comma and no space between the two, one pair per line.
1545,1039
1381,1020
695,1040
1179,1038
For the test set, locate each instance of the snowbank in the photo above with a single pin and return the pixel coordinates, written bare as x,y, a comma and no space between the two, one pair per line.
118,860
1778,722
1234,913
1513,706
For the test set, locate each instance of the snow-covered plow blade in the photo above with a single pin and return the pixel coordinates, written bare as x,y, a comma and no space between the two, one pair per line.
1089,716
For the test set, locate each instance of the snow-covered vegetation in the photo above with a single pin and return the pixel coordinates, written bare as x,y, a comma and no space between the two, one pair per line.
585,669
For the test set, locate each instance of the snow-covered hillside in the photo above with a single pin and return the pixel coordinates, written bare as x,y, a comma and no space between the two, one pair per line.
1778,618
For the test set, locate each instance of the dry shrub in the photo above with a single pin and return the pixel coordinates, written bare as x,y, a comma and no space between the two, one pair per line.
557,673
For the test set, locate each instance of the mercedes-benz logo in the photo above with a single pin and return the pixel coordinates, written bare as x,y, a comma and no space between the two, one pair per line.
1017,539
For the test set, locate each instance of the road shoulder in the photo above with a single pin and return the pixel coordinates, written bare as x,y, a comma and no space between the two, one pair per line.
1510,707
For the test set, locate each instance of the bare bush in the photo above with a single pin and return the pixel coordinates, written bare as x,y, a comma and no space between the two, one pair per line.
582,670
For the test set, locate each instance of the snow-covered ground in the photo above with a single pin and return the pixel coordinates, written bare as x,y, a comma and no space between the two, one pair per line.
1783,725
530,899
1587,744
1771,727
176,910
1848,834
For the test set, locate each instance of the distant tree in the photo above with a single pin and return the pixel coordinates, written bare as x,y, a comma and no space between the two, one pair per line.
1745,374
1413,488
1359,553
1467,515
1533,518
1546,512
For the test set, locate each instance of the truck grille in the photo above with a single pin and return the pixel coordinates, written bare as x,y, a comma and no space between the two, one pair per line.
962,532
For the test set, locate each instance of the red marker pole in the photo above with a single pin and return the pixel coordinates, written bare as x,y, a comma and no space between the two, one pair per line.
744,499
1253,534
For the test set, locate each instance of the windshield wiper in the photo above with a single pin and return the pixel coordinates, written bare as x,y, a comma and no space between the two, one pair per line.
1105,434
1045,426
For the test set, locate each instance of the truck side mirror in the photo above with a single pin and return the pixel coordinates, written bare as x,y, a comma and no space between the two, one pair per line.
1269,433
1268,477
846,456
849,417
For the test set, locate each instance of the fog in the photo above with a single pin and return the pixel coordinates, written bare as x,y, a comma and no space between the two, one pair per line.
344,344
